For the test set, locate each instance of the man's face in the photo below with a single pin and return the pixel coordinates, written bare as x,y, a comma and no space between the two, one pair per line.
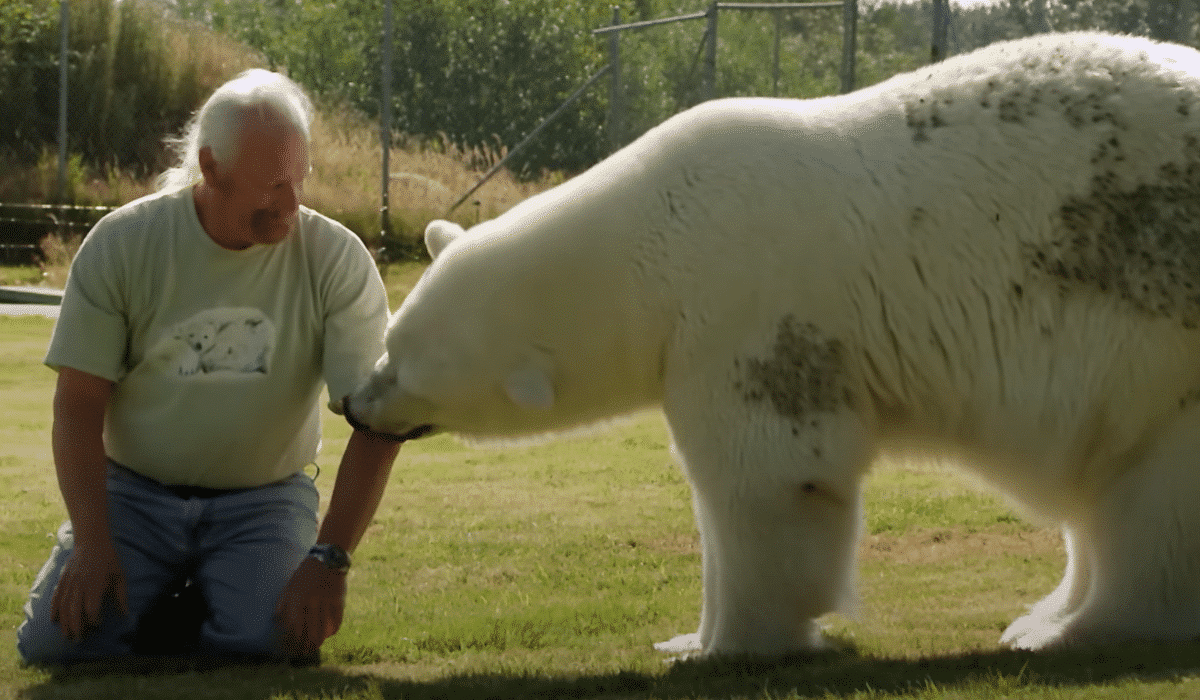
259,192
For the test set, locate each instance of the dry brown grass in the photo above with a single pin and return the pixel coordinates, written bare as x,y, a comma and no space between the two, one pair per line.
57,254
425,179
85,184
345,182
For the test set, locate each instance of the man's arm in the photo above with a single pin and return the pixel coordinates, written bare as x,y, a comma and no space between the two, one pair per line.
77,438
311,607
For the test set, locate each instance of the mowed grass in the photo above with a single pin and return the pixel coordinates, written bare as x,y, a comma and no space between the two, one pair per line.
548,571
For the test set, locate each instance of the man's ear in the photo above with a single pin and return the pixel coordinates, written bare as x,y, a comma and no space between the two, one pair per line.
208,166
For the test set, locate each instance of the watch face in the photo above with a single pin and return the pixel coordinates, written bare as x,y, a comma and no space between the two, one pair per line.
332,556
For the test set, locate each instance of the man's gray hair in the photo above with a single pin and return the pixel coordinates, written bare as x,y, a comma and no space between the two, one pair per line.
218,123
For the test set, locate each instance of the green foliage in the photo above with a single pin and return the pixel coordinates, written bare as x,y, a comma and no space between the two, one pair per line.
504,67
485,73
1165,20
134,76
909,26
473,75
27,29
468,74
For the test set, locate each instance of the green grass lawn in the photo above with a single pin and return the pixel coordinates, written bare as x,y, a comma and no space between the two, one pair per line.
548,571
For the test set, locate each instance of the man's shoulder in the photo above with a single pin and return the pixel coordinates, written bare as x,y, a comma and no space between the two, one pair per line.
152,210
155,200
328,234
319,224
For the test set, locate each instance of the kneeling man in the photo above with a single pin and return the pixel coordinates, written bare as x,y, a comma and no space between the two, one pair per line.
198,329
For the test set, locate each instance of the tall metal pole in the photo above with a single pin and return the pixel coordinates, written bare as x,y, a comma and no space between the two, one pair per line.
849,43
710,54
64,34
1183,22
385,123
941,23
775,61
616,117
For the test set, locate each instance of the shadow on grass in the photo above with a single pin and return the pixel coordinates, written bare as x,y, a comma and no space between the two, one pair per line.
822,676
833,674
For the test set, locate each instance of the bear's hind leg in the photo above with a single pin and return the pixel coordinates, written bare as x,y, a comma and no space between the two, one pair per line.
1141,547
1045,619
693,642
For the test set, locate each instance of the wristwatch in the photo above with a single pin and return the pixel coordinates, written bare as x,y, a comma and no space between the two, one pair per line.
332,556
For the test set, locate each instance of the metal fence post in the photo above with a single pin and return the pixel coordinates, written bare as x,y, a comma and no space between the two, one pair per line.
775,62
849,43
941,22
616,106
385,123
64,34
710,54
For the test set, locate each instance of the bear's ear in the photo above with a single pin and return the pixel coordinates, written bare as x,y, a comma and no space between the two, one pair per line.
439,234
530,387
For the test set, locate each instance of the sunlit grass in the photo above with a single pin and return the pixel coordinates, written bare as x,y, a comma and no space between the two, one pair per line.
549,570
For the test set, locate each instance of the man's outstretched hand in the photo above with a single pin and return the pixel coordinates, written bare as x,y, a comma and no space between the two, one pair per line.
310,608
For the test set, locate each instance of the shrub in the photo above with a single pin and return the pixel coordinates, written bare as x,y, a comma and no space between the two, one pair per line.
136,73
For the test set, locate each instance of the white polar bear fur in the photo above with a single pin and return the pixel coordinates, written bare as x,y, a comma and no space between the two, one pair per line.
996,258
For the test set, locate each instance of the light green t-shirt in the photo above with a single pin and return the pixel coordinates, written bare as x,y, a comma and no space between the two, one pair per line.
219,356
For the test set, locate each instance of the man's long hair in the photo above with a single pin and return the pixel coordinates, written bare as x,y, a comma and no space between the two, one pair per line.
218,123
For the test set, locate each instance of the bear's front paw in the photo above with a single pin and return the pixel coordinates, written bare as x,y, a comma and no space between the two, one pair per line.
680,644
1043,633
1030,633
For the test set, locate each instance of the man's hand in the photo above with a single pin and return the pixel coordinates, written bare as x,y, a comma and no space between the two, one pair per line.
88,577
310,608
93,570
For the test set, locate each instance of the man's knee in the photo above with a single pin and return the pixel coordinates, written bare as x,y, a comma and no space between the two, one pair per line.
247,634
39,638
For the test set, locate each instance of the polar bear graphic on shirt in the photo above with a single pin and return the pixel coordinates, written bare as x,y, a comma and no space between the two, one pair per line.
225,342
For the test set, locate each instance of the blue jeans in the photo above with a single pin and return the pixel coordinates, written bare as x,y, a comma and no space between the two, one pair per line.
239,548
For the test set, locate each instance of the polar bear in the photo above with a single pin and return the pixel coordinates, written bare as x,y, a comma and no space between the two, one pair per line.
995,258
227,342
241,346
178,351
